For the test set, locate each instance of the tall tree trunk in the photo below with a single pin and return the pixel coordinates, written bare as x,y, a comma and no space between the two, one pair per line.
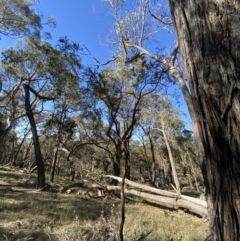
116,166
153,164
209,39
121,236
117,161
118,158
38,154
127,160
170,155
54,162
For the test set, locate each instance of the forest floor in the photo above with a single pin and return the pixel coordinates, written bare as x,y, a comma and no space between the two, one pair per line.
27,214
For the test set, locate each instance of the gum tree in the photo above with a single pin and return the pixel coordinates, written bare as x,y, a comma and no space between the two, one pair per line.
167,124
208,39
17,19
121,92
39,72
209,36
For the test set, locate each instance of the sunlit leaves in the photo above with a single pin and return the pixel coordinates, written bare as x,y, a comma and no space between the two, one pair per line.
51,72
139,20
38,60
17,18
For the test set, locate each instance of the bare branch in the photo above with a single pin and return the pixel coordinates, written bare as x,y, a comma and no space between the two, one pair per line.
98,62
161,20
172,70
174,54
145,52
124,45
135,57
37,94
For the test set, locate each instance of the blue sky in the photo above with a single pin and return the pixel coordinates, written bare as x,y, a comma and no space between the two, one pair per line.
83,21
88,22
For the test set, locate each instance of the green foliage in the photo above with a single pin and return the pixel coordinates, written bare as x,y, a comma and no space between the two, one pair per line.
53,72
55,124
38,60
124,89
18,18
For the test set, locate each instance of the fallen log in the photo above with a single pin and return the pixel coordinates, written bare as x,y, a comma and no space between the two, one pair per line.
151,195
168,202
174,200
158,191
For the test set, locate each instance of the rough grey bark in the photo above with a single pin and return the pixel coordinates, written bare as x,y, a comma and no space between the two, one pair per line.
209,40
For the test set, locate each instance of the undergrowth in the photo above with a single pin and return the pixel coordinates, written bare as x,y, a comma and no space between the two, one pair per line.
46,216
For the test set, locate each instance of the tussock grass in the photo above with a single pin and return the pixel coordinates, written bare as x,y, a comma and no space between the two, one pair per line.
70,217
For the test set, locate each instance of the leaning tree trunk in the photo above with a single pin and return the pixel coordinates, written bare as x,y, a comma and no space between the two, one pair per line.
38,154
172,163
209,39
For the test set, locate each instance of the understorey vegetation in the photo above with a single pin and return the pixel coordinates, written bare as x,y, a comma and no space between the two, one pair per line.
78,214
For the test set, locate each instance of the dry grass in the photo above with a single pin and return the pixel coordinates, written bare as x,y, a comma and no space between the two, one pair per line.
70,217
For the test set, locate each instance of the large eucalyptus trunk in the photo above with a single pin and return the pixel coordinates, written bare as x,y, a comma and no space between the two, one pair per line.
208,33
